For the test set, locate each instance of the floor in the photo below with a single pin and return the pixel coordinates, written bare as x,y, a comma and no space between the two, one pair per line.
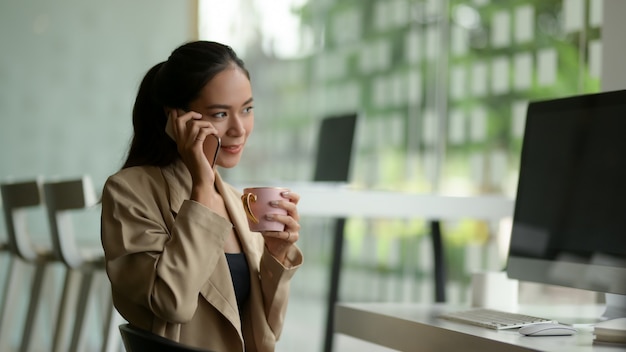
304,330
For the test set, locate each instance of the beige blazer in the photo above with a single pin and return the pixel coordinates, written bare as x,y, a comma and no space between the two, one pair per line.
168,272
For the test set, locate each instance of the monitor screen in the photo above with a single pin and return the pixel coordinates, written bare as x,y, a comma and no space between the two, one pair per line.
569,223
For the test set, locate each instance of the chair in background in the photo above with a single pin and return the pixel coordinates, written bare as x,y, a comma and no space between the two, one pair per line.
5,250
17,199
62,198
137,340
334,155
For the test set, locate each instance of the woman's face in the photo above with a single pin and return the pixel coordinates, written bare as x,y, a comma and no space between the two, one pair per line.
226,102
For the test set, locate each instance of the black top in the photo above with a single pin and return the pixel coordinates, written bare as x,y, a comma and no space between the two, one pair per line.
240,275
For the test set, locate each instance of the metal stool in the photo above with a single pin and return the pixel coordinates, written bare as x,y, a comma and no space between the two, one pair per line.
5,250
17,199
61,199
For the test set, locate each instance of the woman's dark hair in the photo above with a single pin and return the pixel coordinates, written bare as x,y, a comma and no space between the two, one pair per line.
174,83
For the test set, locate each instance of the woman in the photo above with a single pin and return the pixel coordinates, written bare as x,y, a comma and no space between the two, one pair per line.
181,259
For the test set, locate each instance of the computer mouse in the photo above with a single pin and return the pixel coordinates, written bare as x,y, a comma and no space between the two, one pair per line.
547,329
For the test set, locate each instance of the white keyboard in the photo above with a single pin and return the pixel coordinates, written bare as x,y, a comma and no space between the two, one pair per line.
493,319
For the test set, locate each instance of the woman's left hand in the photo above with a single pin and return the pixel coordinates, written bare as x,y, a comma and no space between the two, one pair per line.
278,243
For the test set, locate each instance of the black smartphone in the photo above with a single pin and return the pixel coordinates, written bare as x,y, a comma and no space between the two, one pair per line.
211,145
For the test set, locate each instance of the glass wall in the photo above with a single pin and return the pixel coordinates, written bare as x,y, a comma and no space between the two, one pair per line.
442,87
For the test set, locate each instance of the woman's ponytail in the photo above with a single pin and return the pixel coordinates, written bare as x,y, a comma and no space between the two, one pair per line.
150,144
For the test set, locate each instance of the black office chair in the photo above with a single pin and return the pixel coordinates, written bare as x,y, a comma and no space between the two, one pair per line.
138,340
333,160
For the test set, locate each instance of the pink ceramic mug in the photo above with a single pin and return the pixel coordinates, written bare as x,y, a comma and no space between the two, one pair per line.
256,203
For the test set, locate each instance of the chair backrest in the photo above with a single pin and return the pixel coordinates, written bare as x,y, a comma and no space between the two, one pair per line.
137,340
4,244
62,197
17,199
334,148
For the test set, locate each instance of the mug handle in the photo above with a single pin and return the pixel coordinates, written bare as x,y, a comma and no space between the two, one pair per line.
246,206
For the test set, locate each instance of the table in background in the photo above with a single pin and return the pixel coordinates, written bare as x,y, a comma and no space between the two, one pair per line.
341,200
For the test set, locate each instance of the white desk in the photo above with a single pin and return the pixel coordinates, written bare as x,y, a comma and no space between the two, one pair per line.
412,327
340,200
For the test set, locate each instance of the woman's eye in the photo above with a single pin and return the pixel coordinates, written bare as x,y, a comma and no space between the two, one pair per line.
248,109
220,115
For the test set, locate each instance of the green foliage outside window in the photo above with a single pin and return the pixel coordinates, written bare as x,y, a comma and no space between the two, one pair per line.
398,63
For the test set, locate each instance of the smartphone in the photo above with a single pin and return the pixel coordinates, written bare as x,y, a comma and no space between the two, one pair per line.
211,145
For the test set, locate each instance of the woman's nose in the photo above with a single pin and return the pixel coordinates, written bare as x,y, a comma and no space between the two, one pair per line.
236,127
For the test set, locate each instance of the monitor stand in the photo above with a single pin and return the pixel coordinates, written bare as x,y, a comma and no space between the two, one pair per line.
615,306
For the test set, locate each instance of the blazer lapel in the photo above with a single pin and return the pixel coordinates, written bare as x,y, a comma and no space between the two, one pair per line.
218,290
249,240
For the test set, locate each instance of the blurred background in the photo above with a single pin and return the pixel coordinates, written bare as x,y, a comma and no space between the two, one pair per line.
441,86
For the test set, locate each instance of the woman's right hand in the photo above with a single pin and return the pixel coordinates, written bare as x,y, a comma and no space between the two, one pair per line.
190,131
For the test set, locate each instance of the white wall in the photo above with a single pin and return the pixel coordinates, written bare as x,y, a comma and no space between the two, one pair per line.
69,70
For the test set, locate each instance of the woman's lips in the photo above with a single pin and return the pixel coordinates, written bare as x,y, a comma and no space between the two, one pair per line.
232,149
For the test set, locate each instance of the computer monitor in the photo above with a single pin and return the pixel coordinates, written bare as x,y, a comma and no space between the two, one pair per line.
569,222
334,148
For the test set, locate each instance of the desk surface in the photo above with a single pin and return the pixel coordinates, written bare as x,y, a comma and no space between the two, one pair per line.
343,200
412,327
